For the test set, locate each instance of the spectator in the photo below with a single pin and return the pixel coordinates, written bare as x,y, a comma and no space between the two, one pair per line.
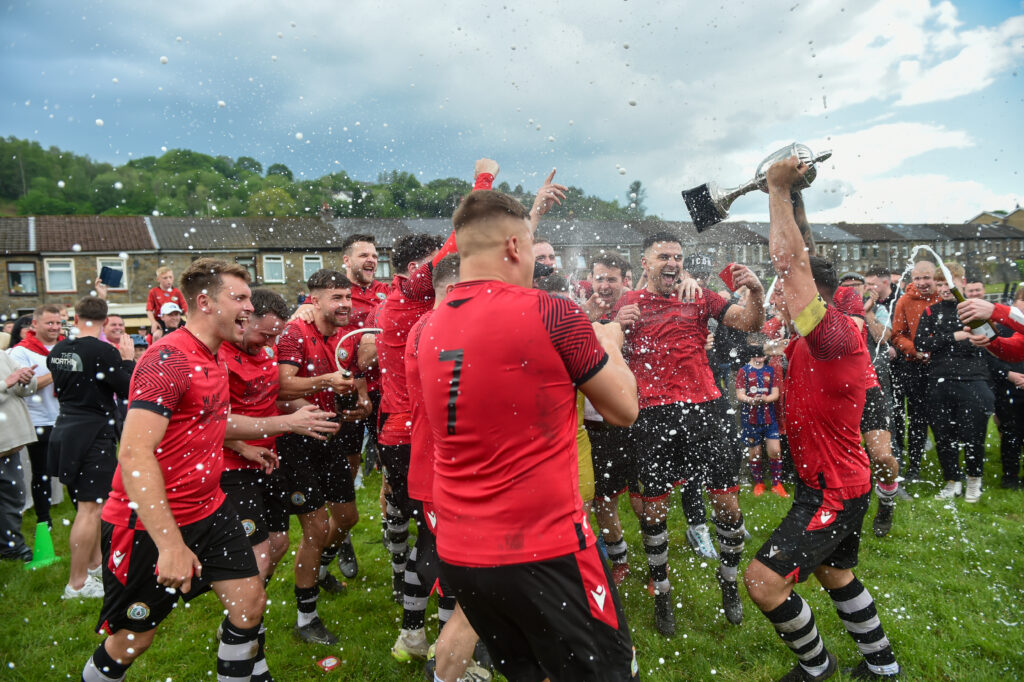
18,329
974,287
757,391
910,380
164,292
1008,387
140,344
113,329
958,387
43,407
86,374
544,254
18,383
169,321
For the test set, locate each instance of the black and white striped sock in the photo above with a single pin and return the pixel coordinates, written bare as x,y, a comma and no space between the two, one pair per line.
794,621
236,654
260,670
656,547
102,668
617,551
398,538
730,545
414,602
857,610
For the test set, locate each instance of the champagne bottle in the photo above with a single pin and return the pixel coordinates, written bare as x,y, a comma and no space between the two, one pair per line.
980,326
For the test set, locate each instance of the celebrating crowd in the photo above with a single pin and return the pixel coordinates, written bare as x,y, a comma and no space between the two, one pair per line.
510,408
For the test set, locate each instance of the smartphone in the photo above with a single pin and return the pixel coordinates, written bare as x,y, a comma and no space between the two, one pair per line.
726,276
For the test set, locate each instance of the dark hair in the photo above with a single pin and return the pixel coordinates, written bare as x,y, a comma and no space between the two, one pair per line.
46,308
204,275
91,308
20,325
610,260
447,270
327,279
660,237
484,204
824,274
879,271
266,302
540,240
554,284
346,245
413,247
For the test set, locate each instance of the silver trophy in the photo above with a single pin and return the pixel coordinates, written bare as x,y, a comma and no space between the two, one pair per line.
709,204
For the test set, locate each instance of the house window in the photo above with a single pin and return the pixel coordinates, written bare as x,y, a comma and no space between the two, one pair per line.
114,263
60,275
844,252
384,267
855,252
21,278
311,264
581,263
273,269
874,250
249,263
906,251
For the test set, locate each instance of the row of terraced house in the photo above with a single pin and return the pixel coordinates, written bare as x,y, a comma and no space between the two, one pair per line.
55,259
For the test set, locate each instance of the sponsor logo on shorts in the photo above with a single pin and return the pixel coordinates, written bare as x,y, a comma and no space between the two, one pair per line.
432,517
599,596
773,551
138,611
298,499
248,526
117,558
826,516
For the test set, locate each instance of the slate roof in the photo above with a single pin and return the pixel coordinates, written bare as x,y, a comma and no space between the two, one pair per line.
13,235
178,234
92,233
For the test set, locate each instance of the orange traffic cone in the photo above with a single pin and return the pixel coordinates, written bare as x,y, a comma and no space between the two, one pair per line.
42,553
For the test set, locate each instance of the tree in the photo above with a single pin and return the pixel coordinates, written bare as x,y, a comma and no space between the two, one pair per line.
280,169
636,196
272,201
247,163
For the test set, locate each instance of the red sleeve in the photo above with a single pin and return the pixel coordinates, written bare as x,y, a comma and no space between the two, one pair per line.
1009,316
162,376
1008,348
714,304
420,285
741,379
151,301
290,346
483,181
835,336
849,302
573,337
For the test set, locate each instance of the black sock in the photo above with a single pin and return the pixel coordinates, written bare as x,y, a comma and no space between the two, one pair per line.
236,654
445,609
656,547
102,668
857,610
307,598
794,621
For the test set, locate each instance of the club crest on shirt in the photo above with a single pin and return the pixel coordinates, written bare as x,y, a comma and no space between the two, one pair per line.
381,296
342,354
248,526
269,351
138,611
298,499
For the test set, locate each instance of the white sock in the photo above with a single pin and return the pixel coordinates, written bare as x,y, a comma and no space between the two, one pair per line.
305,619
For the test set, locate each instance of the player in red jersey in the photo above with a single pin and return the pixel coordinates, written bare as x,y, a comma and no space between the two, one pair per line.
168,531
500,364
825,399
680,423
318,475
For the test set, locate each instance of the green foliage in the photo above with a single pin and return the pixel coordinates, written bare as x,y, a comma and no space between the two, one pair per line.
182,182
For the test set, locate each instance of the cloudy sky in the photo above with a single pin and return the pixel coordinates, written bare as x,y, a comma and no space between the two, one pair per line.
921,101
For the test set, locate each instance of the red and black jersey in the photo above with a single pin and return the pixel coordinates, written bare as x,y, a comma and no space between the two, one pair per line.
410,299
302,345
180,379
253,383
499,365
157,297
825,390
421,459
665,347
849,302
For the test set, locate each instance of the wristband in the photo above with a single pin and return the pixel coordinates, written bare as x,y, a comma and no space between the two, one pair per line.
483,181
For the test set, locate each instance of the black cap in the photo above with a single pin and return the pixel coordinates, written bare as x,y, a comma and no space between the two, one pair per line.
698,264
139,341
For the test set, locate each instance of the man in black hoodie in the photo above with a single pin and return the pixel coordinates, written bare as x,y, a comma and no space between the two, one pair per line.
961,398
1008,386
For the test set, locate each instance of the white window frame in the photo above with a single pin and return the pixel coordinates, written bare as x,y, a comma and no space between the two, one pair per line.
276,260
46,275
123,269
384,267
319,260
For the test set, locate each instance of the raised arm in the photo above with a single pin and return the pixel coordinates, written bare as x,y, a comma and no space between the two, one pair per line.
785,242
612,390
748,317
548,195
800,216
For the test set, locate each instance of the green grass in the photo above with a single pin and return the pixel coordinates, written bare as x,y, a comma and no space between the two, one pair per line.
947,583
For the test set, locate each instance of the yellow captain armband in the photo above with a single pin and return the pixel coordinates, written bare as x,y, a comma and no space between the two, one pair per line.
810,316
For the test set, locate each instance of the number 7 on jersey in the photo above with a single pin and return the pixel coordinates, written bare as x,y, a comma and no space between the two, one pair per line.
454,356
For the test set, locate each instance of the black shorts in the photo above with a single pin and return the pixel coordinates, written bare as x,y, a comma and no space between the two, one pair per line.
349,439
815,534
683,441
613,456
313,473
94,472
560,619
394,461
877,411
132,598
258,499
428,563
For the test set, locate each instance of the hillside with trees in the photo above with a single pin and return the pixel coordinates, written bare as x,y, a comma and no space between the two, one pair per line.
181,182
